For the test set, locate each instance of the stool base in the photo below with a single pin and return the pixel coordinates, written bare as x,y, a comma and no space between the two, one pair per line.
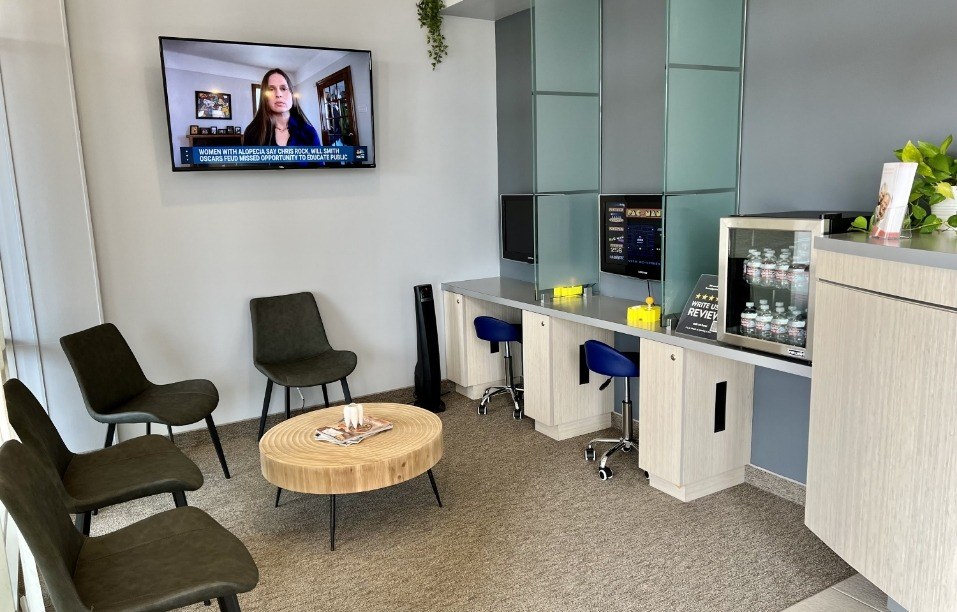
514,392
624,444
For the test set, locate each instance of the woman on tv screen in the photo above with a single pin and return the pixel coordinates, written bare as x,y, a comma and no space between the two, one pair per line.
279,120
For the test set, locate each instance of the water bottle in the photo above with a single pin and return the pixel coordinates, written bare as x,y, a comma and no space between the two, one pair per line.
752,267
779,325
798,278
748,316
767,268
797,330
781,270
763,323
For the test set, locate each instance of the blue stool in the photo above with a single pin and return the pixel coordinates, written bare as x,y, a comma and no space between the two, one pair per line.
607,361
491,329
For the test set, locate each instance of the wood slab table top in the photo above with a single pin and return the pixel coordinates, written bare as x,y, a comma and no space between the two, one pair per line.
294,460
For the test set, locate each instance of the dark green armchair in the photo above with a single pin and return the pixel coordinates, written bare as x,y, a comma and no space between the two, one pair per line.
173,559
148,465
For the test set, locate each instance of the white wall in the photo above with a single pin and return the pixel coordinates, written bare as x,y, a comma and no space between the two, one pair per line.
180,255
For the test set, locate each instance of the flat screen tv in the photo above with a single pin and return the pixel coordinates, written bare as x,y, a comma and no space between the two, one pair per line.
249,106
631,235
518,227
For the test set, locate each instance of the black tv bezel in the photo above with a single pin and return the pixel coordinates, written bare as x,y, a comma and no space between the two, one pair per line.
169,126
527,258
629,270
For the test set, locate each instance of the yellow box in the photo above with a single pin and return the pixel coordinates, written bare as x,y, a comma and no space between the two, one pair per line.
646,313
567,291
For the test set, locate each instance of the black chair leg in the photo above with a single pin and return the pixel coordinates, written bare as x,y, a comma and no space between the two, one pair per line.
169,429
219,447
435,489
278,493
179,498
83,521
345,391
262,420
110,432
325,395
287,403
228,603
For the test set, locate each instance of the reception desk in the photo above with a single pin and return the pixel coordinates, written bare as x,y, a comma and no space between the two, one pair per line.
694,439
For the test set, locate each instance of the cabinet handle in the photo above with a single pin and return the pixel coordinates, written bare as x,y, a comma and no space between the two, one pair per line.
458,301
672,356
543,323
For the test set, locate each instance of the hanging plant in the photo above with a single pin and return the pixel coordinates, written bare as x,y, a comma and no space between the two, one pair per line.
430,18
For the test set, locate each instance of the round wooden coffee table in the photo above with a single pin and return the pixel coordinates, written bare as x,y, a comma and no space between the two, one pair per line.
293,459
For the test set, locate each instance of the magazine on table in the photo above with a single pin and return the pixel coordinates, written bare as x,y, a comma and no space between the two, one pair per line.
343,435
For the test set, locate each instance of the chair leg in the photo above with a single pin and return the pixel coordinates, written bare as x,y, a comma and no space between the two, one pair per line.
288,414
110,432
228,603
179,498
219,447
345,391
325,395
83,521
169,428
262,420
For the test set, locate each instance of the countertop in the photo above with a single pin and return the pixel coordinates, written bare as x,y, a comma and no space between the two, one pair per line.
610,313
937,250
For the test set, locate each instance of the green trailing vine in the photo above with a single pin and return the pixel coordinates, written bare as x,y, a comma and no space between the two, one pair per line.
430,18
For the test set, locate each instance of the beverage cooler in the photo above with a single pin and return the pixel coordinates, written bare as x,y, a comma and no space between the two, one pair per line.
764,279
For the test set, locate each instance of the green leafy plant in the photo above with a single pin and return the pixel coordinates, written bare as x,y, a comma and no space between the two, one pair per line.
430,18
934,182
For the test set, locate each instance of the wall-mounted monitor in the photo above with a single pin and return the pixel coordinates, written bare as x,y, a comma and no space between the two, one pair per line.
632,236
518,227
249,106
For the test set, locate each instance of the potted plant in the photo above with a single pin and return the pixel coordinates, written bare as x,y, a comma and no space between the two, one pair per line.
933,197
430,18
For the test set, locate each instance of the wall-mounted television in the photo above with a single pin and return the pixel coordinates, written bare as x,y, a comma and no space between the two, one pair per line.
631,235
518,227
250,106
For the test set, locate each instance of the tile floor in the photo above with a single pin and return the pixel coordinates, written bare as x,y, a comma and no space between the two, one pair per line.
856,594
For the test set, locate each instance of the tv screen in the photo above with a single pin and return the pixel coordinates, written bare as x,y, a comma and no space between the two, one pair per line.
245,106
518,228
631,235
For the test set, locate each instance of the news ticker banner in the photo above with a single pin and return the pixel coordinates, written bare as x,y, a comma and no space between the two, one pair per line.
272,156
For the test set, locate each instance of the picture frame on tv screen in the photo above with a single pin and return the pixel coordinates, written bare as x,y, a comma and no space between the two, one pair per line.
288,106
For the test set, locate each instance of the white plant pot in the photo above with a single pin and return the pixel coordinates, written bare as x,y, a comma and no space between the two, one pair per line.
945,210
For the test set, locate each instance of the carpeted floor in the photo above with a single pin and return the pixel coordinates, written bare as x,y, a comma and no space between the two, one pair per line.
527,525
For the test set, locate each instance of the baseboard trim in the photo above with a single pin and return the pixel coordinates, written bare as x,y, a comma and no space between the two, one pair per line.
695,490
775,484
575,428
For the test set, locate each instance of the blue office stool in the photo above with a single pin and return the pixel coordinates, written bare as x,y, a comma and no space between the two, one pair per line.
495,330
605,360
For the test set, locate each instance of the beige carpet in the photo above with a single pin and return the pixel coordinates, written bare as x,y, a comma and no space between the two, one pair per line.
527,525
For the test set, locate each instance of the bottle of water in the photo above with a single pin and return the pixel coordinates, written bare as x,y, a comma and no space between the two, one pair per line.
768,264
753,267
779,325
798,278
763,323
797,330
748,316
753,258
781,270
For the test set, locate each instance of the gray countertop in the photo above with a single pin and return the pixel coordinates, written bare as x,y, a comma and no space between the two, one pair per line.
937,250
609,313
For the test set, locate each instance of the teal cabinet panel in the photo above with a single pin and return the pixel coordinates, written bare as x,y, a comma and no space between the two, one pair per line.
705,32
567,45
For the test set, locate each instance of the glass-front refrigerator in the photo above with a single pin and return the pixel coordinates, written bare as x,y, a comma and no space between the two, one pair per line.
766,295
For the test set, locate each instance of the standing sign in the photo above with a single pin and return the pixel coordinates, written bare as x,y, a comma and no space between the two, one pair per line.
700,315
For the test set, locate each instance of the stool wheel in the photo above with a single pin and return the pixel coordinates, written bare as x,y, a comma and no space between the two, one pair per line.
517,414
589,454
626,449
605,473
483,408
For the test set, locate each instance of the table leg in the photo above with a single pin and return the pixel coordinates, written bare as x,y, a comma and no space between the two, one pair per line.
435,489
278,493
332,522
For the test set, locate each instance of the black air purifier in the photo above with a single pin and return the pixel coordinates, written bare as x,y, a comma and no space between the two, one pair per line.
428,377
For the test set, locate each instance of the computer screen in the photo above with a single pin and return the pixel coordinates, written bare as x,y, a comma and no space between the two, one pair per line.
631,235
518,227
